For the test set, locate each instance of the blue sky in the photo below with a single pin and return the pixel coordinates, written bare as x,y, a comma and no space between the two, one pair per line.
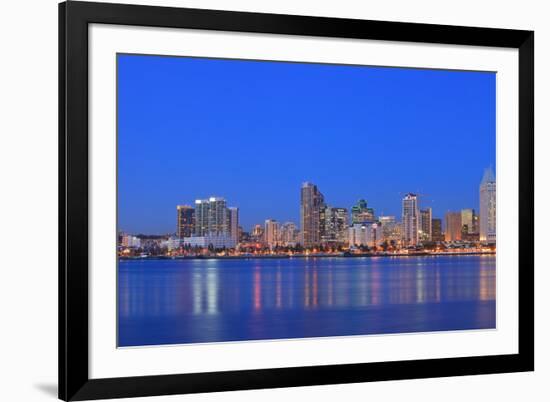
253,131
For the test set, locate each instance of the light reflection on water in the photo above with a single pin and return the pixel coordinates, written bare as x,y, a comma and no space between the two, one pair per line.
181,301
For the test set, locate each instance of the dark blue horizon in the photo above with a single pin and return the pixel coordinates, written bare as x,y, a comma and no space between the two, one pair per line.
253,131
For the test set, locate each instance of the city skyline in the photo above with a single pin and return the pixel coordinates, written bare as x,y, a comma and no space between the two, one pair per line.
182,227
398,130
212,221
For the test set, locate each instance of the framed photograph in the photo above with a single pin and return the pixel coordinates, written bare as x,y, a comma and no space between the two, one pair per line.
257,200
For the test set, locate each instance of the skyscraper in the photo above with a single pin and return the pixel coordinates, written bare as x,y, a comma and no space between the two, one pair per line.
271,232
410,220
257,233
311,202
233,223
453,226
333,224
488,207
288,234
211,217
468,217
185,221
391,229
425,233
360,212
437,230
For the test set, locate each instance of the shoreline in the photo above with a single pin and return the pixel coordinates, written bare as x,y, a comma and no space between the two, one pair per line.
286,256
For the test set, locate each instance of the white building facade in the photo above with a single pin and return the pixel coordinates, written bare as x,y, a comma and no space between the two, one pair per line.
488,207
411,220
215,241
367,234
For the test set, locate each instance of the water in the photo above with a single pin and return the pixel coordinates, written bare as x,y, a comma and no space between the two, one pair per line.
188,301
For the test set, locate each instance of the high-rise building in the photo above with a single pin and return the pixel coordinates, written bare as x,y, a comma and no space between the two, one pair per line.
469,220
211,217
437,230
425,232
333,224
453,226
360,213
391,229
488,207
410,220
311,202
257,233
288,234
233,223
271,233
185,221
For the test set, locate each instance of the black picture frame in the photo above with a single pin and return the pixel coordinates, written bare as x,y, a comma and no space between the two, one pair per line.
74,381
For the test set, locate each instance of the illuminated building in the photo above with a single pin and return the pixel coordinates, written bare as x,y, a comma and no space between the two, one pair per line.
172,243
410,220
437,230
311,202
333,224
130,241
233,223
488,207
425,232
185,221
214,241
366,234
289,234
468,217
257,233
360,213
391,229
453,226
211,217
271,233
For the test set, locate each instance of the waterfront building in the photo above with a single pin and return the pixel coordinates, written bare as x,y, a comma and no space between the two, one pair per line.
488,207
469,220
244,236
233,223
257,233
366,234
453,226
172,243
185,221
391,229
271,233
437,230
410,218
360,212
311,202
425,232
130,241
215,241
333,224
211,217
289,234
